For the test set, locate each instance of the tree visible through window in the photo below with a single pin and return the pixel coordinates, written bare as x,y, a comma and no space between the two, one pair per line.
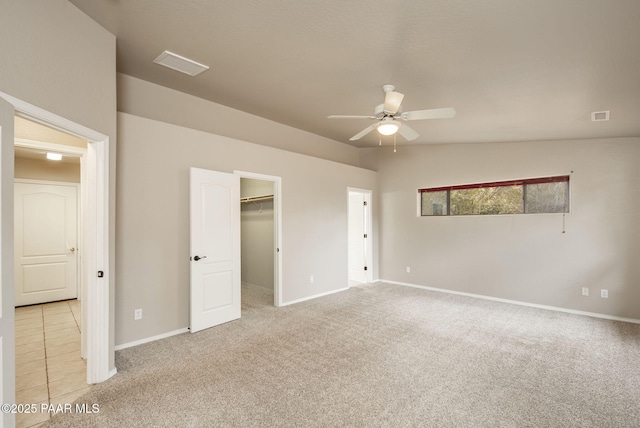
529,196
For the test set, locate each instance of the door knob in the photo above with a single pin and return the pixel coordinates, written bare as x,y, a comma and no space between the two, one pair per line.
72,249
196,258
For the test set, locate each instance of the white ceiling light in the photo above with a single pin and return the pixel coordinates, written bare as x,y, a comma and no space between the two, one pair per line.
180,63
54,156
388,127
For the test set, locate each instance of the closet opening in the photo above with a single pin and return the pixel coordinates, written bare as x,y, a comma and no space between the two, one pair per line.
260,238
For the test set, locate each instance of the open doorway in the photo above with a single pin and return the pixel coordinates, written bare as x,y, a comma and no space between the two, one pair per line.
260,239
95,266
359,236
50,362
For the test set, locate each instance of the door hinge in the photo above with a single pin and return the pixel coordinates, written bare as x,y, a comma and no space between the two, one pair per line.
365,203
365,235
365,268
100,274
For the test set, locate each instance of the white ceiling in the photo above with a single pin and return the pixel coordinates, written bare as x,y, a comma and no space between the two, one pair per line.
515,70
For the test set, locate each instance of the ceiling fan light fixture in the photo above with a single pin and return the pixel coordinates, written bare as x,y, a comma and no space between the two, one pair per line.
388,127
390,118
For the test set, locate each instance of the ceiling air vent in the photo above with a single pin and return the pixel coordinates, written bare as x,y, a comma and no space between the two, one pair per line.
600,116
180,63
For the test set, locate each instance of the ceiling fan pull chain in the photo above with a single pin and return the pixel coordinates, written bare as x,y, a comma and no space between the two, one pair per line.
380,143
394,143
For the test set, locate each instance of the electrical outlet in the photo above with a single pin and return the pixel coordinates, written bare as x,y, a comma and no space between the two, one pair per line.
408,269
137,314
604,294
311,279
585,291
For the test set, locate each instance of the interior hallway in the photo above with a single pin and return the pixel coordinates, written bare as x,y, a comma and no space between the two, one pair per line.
49,368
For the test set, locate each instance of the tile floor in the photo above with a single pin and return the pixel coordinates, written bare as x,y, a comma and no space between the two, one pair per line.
49,368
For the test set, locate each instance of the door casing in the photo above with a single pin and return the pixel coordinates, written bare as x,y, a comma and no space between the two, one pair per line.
95,198
368,242
7,315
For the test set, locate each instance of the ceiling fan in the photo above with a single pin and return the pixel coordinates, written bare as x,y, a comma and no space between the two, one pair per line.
389,116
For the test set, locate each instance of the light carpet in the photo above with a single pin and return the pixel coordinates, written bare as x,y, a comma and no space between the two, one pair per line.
379,355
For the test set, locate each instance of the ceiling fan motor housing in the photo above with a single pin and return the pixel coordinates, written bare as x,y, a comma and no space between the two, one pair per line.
379,111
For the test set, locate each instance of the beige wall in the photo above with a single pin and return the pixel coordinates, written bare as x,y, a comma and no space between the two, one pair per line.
153,225
141,98
60,60
28,130
519,257
35,169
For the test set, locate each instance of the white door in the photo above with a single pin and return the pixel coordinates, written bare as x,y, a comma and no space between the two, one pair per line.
357,231
7,335
215,248
45,240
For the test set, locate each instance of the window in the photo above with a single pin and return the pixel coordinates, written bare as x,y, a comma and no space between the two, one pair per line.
530,196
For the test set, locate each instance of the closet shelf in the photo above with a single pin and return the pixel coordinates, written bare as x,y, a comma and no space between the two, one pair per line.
256,198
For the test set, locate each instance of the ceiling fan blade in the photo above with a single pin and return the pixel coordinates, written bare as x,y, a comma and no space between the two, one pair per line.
408,133
364,132
346,116
434,113
392,101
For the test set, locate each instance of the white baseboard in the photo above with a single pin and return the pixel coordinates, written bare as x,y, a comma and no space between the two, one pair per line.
315,296
516,302
186,330
112,373
151,339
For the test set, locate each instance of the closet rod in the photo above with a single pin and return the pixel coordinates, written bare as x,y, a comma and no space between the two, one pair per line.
256,198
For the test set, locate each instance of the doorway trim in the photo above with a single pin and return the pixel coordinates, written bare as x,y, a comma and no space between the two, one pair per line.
95,197
277,229
367,195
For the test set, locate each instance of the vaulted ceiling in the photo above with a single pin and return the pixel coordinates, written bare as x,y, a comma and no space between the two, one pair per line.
514,70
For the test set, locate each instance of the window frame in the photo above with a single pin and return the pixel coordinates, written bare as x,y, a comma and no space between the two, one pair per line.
506,183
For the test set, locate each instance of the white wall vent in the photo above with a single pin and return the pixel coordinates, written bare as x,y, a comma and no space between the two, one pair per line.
600,116
180,63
